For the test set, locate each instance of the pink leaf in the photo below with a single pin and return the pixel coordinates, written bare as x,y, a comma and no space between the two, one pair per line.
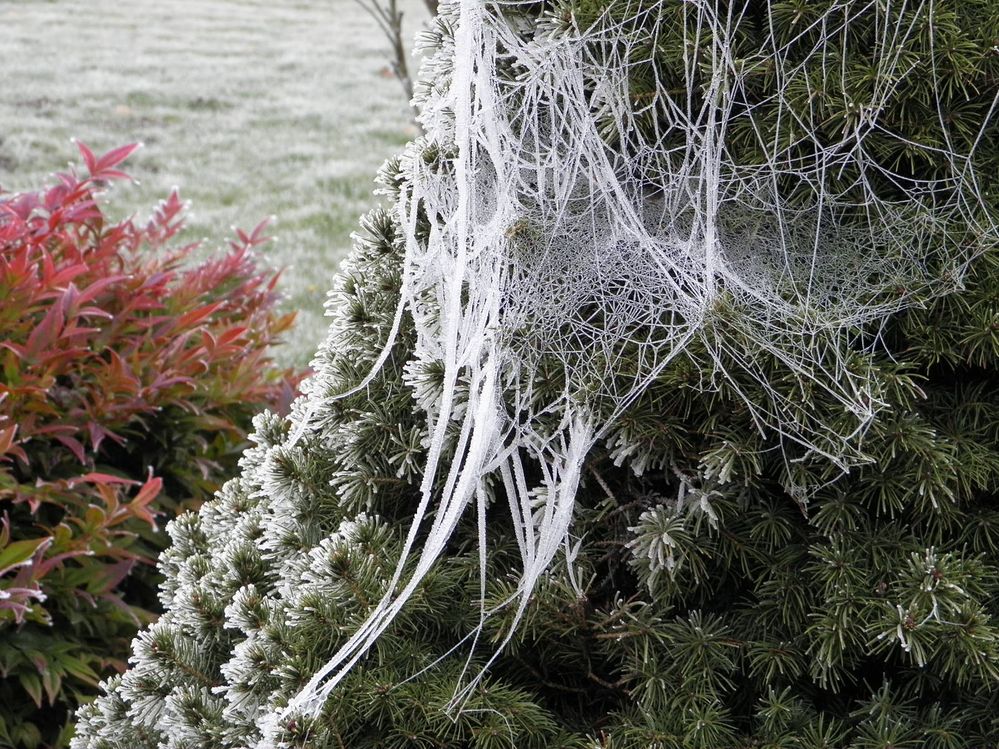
88,157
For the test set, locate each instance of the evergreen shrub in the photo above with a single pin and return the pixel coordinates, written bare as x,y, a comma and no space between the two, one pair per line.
128,378
725,589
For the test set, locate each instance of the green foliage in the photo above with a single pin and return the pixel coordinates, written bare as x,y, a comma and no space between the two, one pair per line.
127,383
723,588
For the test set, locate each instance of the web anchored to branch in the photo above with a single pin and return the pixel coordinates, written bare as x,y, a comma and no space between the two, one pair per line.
594,197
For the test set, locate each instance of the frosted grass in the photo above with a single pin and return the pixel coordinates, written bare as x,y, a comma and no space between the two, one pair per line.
251,107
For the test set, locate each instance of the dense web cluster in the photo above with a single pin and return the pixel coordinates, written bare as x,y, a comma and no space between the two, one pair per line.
586,207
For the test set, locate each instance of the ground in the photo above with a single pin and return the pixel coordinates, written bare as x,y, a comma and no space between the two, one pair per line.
251,107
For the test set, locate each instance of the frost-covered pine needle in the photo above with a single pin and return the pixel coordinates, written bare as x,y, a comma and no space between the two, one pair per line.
558,219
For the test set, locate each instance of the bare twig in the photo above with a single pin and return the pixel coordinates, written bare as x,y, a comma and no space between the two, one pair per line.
603,484
387,15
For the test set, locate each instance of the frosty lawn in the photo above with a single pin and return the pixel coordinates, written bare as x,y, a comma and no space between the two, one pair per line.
252,108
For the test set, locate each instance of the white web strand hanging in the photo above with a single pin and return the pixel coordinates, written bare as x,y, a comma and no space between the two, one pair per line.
581,227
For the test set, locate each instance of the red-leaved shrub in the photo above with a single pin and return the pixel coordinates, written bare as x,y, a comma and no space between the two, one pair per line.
128,378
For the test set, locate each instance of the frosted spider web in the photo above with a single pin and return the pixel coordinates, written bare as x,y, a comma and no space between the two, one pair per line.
556,220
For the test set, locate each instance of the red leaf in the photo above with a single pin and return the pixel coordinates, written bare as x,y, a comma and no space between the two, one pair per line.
95,312
7,439
97,434
48,330
91,292
88,157
110,174
46,565
114,157
231,335
19,351
195,316
64,275
208,341
74,446
139,505
95,477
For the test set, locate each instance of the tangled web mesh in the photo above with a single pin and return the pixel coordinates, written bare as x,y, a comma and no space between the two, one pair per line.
568,236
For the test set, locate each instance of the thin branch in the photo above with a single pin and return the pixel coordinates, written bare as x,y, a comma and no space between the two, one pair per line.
389,20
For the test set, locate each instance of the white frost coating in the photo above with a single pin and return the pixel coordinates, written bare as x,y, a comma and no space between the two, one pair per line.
579,238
